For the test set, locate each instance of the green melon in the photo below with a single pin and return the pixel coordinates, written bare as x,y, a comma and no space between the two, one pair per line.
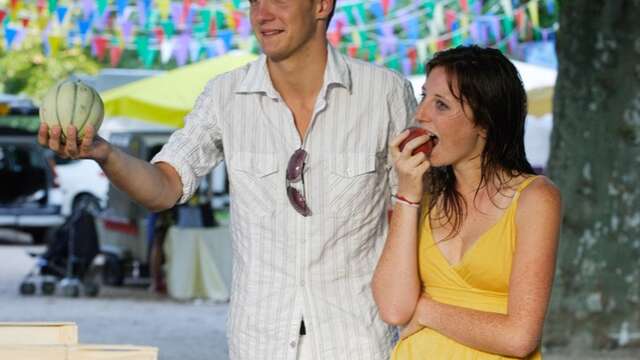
72,102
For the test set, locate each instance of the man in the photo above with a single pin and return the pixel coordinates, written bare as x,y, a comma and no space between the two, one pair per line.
304,132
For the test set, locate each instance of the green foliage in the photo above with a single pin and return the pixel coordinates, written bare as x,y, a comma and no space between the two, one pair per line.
28,71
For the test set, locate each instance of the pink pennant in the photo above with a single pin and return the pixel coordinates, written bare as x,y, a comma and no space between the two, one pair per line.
385,6
237,18
450,18
213,28
412,54
116,54
464,5
520,18
159,32
334,38
353,51
100,43
186,6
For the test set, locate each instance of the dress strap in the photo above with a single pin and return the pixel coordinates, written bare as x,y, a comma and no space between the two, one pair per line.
523,185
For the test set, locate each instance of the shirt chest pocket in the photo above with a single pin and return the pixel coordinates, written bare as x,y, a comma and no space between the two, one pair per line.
255,183
354,180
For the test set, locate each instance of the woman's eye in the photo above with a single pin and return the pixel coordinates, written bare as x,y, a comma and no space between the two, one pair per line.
422,96
440,105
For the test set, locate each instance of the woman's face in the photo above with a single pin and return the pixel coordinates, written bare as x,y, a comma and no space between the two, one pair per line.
459,140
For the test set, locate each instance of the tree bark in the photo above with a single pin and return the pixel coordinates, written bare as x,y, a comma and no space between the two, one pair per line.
595,160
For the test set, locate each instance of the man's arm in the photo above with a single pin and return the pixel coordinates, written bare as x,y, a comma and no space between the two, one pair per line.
156,187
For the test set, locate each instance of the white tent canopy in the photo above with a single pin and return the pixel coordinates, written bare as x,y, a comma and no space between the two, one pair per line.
533,77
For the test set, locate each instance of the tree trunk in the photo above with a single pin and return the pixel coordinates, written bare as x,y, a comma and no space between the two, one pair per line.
595,160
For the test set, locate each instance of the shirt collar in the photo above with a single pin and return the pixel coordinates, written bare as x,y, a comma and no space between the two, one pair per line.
257,79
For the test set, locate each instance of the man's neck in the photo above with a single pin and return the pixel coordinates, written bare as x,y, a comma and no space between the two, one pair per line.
300,76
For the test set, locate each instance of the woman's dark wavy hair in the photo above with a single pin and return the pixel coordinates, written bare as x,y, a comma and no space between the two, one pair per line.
489,83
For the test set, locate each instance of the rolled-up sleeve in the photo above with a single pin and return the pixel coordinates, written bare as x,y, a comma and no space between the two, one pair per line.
196,148
402,112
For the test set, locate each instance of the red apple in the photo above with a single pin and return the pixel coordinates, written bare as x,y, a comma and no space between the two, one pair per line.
414,132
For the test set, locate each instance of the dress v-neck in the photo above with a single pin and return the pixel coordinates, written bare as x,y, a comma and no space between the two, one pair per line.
502,218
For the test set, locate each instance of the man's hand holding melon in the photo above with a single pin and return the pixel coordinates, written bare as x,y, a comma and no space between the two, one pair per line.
70,116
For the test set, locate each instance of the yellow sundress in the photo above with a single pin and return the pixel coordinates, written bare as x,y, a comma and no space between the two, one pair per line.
479,281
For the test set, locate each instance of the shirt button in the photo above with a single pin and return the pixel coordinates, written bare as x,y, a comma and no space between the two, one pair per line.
292,344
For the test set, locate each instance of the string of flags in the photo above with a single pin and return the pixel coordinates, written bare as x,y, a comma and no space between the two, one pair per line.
400,34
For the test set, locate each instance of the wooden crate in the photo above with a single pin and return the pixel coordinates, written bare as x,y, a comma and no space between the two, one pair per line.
38,333
77,352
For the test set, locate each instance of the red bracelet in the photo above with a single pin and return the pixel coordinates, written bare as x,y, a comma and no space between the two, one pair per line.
402,198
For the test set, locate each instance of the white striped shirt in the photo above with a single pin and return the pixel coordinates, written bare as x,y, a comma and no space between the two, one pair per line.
287,267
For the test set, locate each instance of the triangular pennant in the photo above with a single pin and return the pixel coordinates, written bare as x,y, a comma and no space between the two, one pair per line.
61,11
10,35
115,54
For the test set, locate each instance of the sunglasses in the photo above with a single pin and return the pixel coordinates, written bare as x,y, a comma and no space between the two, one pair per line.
295,168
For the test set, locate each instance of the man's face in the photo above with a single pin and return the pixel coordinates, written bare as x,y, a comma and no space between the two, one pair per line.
284,27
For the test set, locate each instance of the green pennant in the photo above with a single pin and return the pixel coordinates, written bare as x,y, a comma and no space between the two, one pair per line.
102,6
429,5
152,20
372,48
361,11
220,20
149,58
456,40
142,45
236,4
199,30
393,63
507,25
205,15
364,36
168,28
53,4
350,18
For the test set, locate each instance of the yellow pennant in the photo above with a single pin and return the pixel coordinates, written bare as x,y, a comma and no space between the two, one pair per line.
163,8
54,43
533,12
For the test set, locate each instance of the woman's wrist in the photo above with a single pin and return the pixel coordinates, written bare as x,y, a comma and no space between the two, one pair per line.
400,199
410,196
426,311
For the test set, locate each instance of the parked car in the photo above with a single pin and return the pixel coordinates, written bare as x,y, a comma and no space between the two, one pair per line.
30,198
82,182
17,105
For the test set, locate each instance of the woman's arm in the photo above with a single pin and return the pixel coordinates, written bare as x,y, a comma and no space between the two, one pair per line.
396,284
518,332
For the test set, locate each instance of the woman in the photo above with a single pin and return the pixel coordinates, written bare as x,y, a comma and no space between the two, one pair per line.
468,264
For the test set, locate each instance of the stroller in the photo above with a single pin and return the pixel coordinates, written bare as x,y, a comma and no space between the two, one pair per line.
68,258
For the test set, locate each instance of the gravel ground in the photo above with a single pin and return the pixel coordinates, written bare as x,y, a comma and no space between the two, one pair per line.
192,330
